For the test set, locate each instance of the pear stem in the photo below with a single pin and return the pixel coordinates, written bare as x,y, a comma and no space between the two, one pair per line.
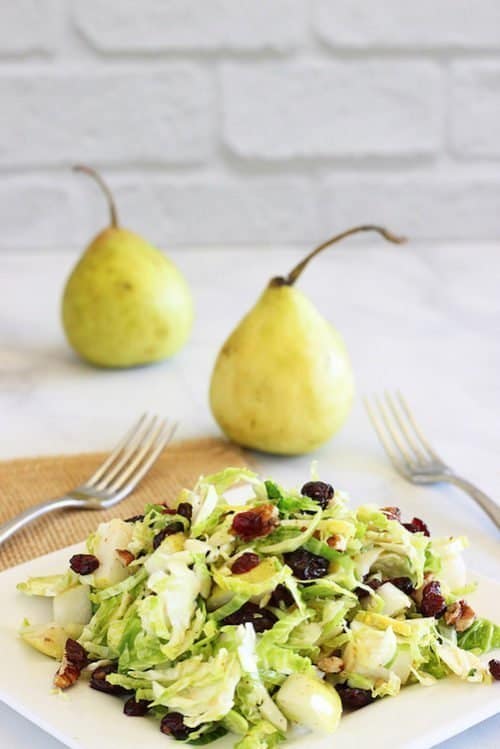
113,215
295,273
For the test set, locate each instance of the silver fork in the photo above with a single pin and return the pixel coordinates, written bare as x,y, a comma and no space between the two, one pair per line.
114,480
411,454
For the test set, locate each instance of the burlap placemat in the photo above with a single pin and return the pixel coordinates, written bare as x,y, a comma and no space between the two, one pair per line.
26,481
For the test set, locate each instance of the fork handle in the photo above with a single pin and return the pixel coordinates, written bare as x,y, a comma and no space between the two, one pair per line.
490,507
32,513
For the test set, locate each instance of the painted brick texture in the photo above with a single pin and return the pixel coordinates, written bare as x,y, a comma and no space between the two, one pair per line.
229,123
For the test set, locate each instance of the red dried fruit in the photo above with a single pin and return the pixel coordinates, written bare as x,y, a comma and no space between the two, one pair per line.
494,667
403,583
98,680
168,531
392,513
281,595
185,509
135,708
417,526
254,523
173,724
260,619
433,603
83,564
373,584
319,491
245,563
305,565
74,659
75,653
135,519
353,699
168,511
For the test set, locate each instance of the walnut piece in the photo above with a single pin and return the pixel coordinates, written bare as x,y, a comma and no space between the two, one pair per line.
392,513
125,556
74,660
337,542
459,615
67,674
330,664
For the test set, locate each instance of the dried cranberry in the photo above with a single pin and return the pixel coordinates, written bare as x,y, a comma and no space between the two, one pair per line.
135,708
83,564
433,603
373,584
98,680
305,565
168,511
281,595
74,652
392,513
417,526
353,699
245,563
403,583
135,519
494,667
173,725
185,509
319,491
168,531
260,619
254,523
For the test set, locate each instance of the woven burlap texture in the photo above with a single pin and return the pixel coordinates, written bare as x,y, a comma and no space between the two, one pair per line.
27,481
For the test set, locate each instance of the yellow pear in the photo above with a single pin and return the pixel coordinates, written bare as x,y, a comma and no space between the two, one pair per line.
50,639
282,382
125,303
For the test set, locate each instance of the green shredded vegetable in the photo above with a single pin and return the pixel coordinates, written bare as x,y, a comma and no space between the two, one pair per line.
323,596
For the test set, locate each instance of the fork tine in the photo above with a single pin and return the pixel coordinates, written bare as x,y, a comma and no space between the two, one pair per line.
138,455
112,457
386,444
394,432
416,428
164,438
402,423
128,452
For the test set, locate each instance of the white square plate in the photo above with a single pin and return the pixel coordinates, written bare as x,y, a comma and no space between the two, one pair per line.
82,718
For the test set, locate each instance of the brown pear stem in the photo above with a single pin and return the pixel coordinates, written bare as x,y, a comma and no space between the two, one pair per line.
295,273
113,215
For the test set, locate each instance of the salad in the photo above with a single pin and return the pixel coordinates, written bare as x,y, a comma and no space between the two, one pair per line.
287,609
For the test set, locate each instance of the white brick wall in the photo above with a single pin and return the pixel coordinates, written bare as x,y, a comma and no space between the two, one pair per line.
285,111
407,25
228,123
113,116
190,25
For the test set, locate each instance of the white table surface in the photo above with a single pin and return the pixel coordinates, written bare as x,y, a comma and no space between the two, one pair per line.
425,318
